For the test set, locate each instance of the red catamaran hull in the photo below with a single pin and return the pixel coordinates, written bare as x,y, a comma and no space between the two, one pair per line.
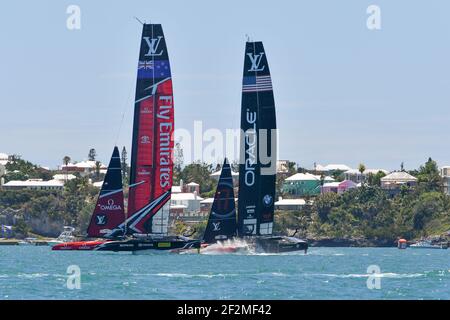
79,245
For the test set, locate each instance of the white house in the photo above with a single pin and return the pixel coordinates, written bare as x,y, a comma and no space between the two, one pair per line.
397,179
289,204
191,201
83,167
34,184
64,177
331,168
356,176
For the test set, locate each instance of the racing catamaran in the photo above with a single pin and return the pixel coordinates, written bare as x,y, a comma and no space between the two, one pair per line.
257,168
109,210
146,227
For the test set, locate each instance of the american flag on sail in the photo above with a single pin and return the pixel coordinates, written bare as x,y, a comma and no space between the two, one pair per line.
256,84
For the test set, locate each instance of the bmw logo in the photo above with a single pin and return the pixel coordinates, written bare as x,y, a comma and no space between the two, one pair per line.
267,200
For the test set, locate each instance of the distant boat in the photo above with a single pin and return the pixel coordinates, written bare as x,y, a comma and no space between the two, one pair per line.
64,237
427,244
108,212
151,172
28,242
257,169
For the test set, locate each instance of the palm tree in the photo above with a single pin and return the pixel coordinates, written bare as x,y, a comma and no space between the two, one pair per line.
361,169
66,160
97,169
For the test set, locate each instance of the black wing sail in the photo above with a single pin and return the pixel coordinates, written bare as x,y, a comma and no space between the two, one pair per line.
257,169
109,211
222,218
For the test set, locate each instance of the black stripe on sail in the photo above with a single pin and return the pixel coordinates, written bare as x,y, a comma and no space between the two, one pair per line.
222,218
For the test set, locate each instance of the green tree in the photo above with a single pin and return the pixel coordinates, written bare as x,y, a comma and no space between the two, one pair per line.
428,176
199,172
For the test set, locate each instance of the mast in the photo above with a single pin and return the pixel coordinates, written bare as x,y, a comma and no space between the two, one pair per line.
152,142
222,218
109,210
257,168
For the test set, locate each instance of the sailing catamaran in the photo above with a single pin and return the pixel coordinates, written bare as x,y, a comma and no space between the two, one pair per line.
109,210
222,218
257,169
151,159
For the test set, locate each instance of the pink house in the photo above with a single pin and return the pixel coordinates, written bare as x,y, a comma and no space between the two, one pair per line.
338,187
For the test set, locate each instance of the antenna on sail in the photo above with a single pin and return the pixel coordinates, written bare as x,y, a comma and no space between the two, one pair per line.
248,37
139,20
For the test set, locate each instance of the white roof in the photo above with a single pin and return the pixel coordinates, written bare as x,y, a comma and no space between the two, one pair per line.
85,165
64,177
185,196
290,202
176,189
320,167
302,177
332,184
327,178
340,167
34,183
192,184
4,156
366,172
211,200
398,176
178,206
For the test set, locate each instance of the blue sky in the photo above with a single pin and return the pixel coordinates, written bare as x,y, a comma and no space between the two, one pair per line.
344,94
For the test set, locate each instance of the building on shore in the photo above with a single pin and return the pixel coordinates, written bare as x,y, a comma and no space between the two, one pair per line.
358,177
445,174
289,204
84,167
64,177
304,184
394,181
331,168
34,184
338,187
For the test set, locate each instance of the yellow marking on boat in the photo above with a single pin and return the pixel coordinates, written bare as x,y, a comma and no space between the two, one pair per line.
163,244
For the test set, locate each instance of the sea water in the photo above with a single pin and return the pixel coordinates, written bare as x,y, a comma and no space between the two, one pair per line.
30,272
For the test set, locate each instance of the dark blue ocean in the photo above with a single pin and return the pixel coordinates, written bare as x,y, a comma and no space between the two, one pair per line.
324,273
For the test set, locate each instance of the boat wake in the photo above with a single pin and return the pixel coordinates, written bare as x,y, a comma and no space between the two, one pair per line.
233,246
